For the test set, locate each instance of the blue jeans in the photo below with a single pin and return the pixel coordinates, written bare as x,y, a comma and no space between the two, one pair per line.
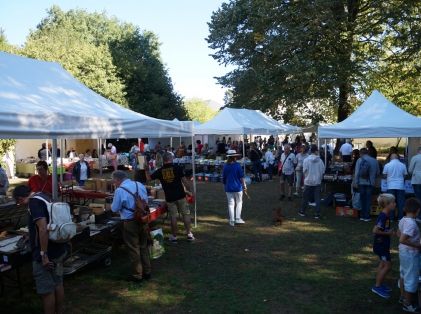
309,193
257,170
365,200
400,202
417,191
270,171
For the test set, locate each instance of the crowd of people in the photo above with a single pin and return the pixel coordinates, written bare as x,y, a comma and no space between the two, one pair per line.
300,166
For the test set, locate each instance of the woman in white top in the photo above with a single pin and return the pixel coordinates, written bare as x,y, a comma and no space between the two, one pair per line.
81,171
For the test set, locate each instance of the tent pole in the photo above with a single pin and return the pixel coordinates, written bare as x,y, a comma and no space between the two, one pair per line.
244,156
171,142
99,156
54,161
194,183
325,152
46,145
61,161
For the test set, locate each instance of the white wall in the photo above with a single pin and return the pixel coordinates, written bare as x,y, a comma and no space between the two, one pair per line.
27,148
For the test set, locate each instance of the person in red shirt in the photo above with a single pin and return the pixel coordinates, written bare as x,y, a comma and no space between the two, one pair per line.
41,182
199,147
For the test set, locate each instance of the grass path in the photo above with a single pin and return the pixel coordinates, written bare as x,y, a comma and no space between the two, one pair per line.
303,266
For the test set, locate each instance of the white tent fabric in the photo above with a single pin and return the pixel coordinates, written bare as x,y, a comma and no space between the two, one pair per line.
377,117
40,99
242,121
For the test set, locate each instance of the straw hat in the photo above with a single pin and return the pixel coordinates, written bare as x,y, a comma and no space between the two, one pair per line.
232,152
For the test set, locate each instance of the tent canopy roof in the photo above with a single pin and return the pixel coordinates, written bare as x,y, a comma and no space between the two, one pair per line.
242,121
377,117
40,99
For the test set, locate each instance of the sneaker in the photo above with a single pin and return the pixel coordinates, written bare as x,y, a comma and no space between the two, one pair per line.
232,223
172,239
295,194
401,300
380,292
311,204
190,237
316,216
361,219
367,219
386,288
281,198
410,308
301,213
239,221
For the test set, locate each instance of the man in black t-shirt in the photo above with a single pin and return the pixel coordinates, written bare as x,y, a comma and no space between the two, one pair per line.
47,256
174,184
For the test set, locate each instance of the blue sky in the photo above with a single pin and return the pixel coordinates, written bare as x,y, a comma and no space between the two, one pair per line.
181,26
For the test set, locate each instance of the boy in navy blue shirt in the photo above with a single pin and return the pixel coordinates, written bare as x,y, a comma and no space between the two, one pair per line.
381,245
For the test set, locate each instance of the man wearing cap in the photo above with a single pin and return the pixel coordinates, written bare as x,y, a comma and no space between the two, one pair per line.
175,186
47,256
233,179
113,155
313,170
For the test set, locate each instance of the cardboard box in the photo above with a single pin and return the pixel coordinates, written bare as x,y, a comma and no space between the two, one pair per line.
346,211
97,208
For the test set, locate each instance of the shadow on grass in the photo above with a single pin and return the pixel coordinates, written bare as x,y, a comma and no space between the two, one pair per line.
303,266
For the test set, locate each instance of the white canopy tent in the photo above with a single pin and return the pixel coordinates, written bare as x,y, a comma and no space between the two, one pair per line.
377,117
40,99
243,121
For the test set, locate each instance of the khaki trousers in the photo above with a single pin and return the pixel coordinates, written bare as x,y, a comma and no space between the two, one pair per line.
136,238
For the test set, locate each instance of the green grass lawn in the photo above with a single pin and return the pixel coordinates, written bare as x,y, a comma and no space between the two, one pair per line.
303,266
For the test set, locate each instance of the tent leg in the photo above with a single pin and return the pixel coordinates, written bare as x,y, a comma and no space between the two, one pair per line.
244,154
326,153
61,161
194,184
54,161
99,153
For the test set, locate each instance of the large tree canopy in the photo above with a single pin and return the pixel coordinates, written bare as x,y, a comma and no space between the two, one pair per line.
115,59
198,110
315,58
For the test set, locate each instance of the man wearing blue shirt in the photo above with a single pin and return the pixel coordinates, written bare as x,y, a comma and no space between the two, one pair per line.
135,233
366,171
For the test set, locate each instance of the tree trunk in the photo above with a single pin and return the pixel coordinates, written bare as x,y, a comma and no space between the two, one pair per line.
344,108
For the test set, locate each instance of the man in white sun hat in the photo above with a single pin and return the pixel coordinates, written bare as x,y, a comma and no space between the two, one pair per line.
233,179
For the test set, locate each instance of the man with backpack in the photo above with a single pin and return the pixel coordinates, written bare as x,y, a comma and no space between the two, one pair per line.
47,255
366,171
135,233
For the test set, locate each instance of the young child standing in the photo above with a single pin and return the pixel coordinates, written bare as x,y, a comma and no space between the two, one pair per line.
409,246
381,245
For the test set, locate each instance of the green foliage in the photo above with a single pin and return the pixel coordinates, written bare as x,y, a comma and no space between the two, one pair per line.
198,110
4,44
289,54
113,58
6,145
